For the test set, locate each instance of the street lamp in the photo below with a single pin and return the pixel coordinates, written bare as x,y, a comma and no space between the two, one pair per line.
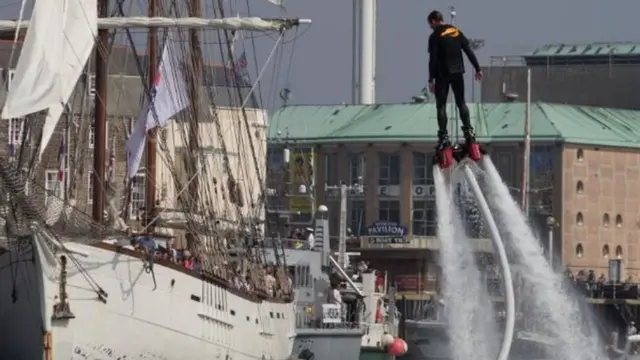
342,239
551,222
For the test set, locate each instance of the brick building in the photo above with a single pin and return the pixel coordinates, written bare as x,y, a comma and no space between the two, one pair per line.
562,72
584,174
125,94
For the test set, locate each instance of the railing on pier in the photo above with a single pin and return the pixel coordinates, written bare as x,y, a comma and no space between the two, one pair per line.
606,291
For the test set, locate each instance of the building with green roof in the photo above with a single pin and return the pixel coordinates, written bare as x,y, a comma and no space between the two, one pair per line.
592,74
584,167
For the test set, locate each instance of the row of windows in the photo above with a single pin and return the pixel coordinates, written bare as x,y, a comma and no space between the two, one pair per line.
388,168
17,134
138,189
606,220
605,251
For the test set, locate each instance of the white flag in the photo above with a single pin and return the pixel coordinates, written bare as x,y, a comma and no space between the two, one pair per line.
277,2
168,97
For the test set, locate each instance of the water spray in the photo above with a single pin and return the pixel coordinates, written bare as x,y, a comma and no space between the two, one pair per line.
498,245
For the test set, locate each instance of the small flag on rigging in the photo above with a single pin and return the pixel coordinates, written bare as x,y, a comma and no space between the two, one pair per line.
62,160
277,2
242,67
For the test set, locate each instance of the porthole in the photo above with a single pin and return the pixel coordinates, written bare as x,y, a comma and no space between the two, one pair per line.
580,155
579,219
605,220
618,252
605,251
579,251
618,220
579,187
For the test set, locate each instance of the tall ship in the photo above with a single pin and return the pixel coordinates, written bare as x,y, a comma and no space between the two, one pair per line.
109,250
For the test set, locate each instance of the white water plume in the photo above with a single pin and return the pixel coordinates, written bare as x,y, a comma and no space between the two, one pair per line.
552,311
471,328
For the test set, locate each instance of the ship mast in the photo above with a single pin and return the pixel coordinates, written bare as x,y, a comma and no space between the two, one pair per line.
150,196
194,96
100,120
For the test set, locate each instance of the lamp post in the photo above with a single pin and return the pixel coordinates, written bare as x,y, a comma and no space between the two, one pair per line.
551,222
342,237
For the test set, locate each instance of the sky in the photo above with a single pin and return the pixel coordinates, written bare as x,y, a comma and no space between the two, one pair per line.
320,72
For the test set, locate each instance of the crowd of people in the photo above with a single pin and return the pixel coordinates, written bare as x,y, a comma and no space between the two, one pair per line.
591,285
239,273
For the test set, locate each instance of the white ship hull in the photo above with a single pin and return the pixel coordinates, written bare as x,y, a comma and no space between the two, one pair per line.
183,318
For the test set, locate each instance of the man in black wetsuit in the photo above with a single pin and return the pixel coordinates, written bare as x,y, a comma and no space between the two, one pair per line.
446,69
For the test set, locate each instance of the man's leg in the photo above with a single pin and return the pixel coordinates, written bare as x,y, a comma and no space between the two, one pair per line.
457,86
441,92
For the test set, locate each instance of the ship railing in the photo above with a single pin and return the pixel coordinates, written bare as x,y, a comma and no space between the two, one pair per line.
328,316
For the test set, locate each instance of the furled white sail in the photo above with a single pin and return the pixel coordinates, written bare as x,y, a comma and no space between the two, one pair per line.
36,83
80,30
233,23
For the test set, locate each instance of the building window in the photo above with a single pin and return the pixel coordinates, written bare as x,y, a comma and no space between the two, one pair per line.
16,131
579,219
618,220
605,220
331,169
92,136
91,85
138,194
605,251
389,169
276,168
422,169
618,252
580,187
389,210
52,183
423,218
10,74
275,157
580,154
357,218
357,167
90,188
579,251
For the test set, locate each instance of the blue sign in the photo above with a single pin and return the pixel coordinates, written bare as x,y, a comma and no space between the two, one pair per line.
387,232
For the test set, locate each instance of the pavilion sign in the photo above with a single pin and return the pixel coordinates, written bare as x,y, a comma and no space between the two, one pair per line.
387,232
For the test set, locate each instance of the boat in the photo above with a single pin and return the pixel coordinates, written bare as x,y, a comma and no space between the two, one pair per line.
80,286
323,330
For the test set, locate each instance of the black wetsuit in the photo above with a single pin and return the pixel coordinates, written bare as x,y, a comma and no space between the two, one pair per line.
446,69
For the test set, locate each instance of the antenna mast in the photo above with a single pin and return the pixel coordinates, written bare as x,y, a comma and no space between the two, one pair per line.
150,195
100,120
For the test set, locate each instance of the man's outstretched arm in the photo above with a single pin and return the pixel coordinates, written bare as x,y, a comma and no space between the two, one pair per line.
470,54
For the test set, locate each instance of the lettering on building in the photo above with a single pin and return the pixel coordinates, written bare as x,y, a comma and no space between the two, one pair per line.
422,191
389,190
387,232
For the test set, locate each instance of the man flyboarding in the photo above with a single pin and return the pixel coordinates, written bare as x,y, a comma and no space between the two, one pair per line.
446,69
